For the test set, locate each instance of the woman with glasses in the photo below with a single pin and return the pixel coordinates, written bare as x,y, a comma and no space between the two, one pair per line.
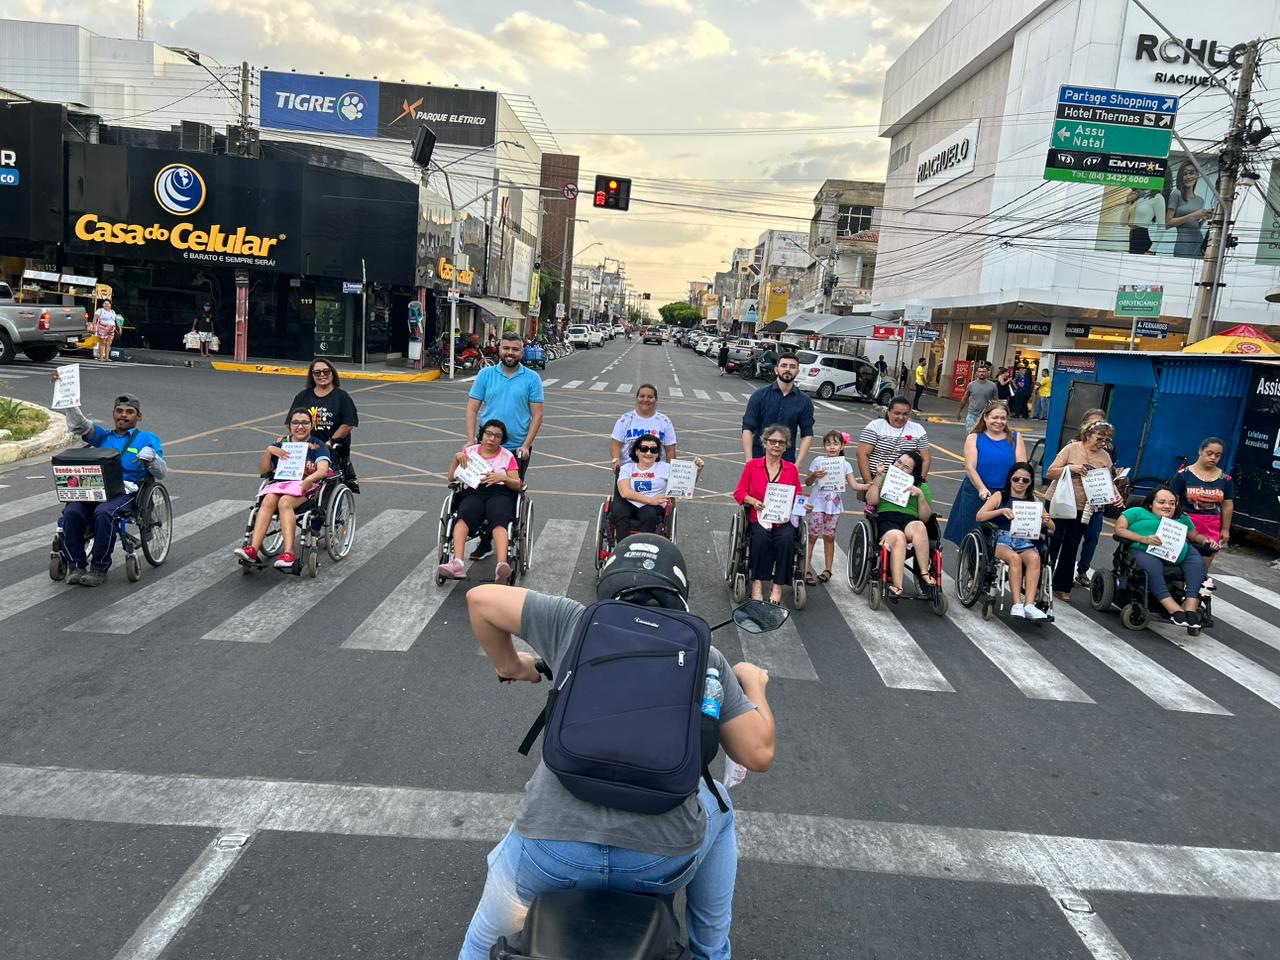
285,496
493,501
1020,555
773,545
641,499
906,526
333,415
1072,463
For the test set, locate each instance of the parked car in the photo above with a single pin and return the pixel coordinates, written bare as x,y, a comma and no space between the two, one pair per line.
597,336
831,375
700,346
578,336
37,329
651,335
746,349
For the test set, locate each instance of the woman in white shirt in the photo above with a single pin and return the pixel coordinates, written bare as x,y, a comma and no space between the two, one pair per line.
641,498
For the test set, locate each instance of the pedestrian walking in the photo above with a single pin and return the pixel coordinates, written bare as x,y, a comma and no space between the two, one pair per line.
779,403
1023,382
722,357
922,380
417,332
882,366
903,373
1004,386
980,391
1044,389
104,326
203,327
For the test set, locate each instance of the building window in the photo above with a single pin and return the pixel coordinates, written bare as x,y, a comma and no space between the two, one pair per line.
899,157
851,220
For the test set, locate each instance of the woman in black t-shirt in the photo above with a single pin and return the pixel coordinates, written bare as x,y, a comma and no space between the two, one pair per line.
333,414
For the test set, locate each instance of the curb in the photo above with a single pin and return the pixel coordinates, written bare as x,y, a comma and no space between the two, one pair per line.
56,436
425,376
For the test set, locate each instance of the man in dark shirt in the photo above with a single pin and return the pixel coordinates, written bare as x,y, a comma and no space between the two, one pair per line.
779,402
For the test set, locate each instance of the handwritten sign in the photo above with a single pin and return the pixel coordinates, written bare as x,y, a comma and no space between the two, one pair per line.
832,480
1028,518
293,465
474,471
896,486
1098,488
801,506
66,389
1173,537
777,503
682,479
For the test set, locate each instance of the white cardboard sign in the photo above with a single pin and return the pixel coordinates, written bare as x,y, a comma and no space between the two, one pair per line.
292,466
777,503
1173,536
1028,518
832,481
1098,488
474,471
897,484
682,479
66,389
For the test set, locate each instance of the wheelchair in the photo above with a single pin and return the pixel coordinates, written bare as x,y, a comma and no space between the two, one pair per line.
982,578
1125,586
325,522
147,526
738,565
608,533
869,565
519,532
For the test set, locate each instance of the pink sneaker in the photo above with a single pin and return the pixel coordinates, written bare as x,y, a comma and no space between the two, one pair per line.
285,561
248,554
453,570
502,572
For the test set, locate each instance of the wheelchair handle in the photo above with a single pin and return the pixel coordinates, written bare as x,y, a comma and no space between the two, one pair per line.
540,665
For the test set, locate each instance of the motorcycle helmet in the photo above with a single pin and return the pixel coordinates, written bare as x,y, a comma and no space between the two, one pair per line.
648,570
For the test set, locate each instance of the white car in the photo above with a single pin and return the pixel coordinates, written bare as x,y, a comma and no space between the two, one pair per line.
701,345
831,375
578,336
597,336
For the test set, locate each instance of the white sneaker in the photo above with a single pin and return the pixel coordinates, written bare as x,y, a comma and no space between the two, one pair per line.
1017,610
1035,613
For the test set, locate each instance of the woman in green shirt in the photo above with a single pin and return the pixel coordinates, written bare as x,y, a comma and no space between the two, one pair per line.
1138,525
903,526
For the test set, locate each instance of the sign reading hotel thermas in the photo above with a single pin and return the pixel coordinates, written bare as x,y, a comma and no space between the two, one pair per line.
1111,138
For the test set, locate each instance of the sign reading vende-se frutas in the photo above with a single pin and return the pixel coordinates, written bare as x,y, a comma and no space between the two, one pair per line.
293,101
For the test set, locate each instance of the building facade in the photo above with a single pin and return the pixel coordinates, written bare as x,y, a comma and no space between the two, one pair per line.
843,240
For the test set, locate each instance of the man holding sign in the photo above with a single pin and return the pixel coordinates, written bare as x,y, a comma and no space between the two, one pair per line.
1021,520
767,487
1160,535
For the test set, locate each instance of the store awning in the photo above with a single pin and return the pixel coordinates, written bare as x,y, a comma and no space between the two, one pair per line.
853,326
496,308
803,323
774,326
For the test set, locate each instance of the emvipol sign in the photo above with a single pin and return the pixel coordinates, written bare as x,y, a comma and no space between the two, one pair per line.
948,160
9,176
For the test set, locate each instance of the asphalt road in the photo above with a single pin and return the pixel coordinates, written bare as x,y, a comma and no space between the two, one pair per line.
213,765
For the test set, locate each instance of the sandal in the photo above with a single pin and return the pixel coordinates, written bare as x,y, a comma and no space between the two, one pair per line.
810,579
927,579
896,591
824,576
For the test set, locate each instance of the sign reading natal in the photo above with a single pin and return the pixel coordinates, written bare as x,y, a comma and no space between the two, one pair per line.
1111,138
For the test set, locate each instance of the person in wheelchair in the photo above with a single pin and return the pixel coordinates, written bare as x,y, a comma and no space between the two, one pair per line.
644,420
1021,556
773,545
903,527
141,455
333,416
285,497
1138,526
492,502
640,502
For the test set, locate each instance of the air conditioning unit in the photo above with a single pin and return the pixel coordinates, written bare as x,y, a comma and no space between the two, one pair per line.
196,137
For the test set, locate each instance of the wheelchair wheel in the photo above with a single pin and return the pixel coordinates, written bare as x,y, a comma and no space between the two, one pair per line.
739,588
1134,616
311,563
132,568
57,565
859,556
340,523
938,600
273,543
875,594
671,526
731,560
800,595
603,548
971,567
988,609
1102,590
525,537
155,523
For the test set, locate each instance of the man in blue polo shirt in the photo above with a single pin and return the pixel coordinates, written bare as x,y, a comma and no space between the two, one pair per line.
779,402
512,393
140,454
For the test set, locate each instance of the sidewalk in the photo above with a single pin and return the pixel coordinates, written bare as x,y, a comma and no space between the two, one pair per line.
397,371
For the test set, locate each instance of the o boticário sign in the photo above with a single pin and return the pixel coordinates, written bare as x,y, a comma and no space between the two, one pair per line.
1115,138
1139,300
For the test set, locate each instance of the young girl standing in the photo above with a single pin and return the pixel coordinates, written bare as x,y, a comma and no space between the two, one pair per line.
827,504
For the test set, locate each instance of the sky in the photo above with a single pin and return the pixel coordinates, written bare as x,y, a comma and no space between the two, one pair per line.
745,105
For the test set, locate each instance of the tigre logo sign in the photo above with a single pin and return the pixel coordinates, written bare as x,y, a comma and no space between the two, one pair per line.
179,189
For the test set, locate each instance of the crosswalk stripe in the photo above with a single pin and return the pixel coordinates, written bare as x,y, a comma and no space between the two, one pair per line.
1247,623
16,376
747,394
20,508
600,386
727,397
573,384
675,391
550,380
623,388
281,606
1269,597
830,406
25,542
1153,681
895,655
781,652
1254,678
1025,666
400,619
702,394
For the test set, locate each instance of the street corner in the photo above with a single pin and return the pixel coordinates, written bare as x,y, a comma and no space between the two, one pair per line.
54,437
385,376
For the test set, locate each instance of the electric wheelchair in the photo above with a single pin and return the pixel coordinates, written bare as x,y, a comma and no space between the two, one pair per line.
608,533
147,526
738,565
983,578
327,521
519,531
1125,586
869,565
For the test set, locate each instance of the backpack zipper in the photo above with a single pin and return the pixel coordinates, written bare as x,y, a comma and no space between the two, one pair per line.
637,655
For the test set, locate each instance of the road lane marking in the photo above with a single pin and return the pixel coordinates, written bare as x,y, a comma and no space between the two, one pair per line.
623,388
702,394
1089,927
550,380
1246,622
20,508
781,652
600,386
1153,681
1024,665
831,406
1269,597
727,397
675,392
26,541
573,384
1253,677
904,849
406,611
899,660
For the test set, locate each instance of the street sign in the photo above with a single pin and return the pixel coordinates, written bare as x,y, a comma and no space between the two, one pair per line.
1116,138
569,191
454,295
888,333
349,286
1078,331
927,335
917,313
1151,329
1038,328
1139,300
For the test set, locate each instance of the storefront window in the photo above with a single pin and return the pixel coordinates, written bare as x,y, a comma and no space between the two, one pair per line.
332,332
1022,348
975,338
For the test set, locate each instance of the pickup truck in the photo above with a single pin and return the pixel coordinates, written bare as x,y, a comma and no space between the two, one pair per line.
37,329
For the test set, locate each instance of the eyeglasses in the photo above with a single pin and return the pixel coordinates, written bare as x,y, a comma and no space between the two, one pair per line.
1019,479
495,434
647,449
299,423
776,443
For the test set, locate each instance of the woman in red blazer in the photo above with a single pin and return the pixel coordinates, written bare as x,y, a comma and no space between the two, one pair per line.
773,545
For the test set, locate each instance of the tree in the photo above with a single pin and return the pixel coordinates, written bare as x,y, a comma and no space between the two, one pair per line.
549,291
680,314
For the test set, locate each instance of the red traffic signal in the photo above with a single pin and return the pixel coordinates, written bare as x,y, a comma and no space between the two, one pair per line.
612,193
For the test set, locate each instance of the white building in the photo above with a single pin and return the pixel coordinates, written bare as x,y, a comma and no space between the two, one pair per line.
1014,265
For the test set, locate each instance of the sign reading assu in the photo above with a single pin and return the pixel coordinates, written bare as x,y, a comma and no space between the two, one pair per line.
291,101
31,171
465,118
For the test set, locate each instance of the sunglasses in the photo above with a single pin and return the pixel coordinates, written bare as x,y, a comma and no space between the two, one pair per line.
1019,479
322,372
647,449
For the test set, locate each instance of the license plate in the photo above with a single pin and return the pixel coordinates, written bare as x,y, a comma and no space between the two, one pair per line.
72,340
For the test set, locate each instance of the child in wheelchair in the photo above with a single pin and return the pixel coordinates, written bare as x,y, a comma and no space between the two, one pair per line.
286,497
1020,554
492,502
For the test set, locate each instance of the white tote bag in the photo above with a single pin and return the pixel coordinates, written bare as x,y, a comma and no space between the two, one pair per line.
1062,506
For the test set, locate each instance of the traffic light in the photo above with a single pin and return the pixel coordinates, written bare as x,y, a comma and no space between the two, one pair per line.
646,296
613,193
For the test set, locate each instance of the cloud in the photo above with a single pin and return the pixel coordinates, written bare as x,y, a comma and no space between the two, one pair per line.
821,159
858,79
703,40
680,6
551,44
597,12
901,22
814,63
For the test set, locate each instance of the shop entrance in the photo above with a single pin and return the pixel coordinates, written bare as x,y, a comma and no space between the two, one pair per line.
332,331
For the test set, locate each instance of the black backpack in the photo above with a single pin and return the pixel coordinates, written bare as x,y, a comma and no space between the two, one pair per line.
624,722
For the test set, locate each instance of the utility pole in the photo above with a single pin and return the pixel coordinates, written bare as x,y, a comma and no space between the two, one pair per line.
244,108
1220,227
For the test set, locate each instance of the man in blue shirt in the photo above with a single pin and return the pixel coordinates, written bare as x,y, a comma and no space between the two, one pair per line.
779,402
141,454
512,393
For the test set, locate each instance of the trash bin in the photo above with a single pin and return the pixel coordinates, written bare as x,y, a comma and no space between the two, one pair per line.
415,349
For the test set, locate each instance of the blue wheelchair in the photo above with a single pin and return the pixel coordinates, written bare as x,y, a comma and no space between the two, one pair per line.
146,527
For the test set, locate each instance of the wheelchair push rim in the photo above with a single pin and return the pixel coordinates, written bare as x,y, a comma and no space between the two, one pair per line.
155,524
340,523
971,564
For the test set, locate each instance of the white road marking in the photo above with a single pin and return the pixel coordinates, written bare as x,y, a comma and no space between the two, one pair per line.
1025,666
1246,622
1269,597
702,394
182,902
1089,927
747,394
727,397
1253,677
892,651
782,652
675,378
273,613
600,386
623,388
47,500
675,392
27,541
904,849
830,406
550,380
406,611
573,384
1152,680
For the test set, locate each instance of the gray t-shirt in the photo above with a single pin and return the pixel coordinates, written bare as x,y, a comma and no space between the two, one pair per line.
550,812
981,392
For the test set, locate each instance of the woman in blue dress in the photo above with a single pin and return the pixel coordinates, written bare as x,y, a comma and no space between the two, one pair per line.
990,451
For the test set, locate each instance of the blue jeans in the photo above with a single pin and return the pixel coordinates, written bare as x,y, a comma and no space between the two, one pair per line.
76,518
1041,411
969,420
520,868
1090,542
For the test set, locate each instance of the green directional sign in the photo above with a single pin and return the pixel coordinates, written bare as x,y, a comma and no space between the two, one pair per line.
1139,300
1111,138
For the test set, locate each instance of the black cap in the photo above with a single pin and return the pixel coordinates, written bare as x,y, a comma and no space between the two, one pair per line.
129,400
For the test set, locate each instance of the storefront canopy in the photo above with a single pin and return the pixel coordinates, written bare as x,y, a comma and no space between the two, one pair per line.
1243,339
805,323
496,308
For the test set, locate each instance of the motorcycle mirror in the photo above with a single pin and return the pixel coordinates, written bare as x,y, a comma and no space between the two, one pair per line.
757,616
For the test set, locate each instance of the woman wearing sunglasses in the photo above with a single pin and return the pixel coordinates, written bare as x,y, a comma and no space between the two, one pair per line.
1022,557
642,487
773,545
494,501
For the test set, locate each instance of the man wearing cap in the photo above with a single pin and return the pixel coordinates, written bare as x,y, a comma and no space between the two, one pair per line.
203,327
141,453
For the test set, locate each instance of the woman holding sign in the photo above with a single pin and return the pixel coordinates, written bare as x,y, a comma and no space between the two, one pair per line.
642,497
1075,461
295,465
990,451
1160,534
762,489
490,471
1017,505
904,504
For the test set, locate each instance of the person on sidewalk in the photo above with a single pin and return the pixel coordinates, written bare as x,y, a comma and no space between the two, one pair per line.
1044,389
980,391
103,326
203,327
922,381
